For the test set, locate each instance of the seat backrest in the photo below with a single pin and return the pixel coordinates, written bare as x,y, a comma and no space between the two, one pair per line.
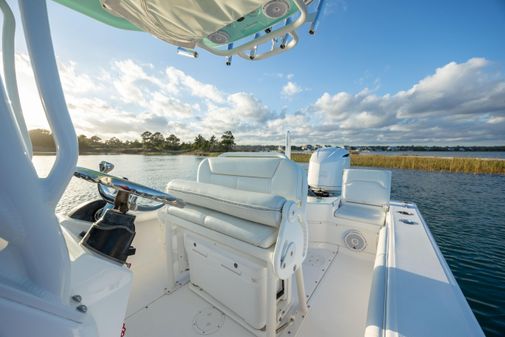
371,187
279,176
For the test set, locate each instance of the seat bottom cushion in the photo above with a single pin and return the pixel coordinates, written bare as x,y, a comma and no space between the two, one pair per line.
251,232
373,215
263,208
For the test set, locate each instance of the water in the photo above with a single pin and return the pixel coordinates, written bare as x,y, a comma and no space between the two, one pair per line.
465,212
469,154
152,171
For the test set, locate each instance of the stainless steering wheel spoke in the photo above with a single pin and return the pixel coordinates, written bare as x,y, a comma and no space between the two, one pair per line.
106,180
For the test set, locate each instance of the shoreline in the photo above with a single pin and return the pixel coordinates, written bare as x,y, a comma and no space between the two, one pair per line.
134,152
417,162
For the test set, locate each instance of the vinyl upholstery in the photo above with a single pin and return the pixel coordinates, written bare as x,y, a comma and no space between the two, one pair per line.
251,232
241,197
365,197
263,208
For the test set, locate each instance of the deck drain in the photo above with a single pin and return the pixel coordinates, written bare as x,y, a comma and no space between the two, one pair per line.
408,222
208,321
405,213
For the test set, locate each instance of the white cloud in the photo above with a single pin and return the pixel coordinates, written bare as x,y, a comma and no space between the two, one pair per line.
242,112
178,80
458,103
75,82
455,104
291,89
132,83
463,88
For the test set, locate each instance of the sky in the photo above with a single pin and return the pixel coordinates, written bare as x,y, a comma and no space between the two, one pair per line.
376,72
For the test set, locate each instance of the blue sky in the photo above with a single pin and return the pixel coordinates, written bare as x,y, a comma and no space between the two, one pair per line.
376,72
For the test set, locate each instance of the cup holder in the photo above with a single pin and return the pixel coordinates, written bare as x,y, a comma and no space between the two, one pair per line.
408,222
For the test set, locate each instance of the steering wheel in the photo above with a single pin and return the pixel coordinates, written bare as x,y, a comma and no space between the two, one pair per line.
133,189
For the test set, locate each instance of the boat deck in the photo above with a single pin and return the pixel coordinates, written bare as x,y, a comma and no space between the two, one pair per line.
339,305
337,282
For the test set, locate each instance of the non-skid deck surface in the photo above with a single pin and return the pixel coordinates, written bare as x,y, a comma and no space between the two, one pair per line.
173,316
338,303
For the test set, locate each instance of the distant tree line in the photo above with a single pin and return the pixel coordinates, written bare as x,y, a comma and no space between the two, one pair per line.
43,141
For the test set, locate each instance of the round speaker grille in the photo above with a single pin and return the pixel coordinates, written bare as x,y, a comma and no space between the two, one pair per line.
276,8
219,37
354,240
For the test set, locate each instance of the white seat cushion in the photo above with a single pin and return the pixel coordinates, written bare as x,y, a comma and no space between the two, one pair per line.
253,233
361,213
278,176
263,208
371,187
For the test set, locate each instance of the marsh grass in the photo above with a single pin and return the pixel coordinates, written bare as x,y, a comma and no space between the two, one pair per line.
301,157
446,164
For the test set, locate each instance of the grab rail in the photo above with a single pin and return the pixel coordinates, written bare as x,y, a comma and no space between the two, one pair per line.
40,48
9,66
376,301
27,202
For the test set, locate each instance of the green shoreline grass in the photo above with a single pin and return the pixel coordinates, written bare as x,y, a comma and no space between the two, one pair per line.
444,164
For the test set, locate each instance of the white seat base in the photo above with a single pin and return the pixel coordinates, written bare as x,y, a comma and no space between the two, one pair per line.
235,283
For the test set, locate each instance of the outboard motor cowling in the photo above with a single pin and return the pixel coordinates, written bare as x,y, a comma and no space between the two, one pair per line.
326,168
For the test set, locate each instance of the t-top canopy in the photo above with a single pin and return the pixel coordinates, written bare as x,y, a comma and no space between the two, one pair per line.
215,25
181,22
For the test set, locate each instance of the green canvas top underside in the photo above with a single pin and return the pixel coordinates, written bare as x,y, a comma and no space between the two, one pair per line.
93,8
253,22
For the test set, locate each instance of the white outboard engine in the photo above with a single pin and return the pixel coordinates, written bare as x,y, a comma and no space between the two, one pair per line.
325,170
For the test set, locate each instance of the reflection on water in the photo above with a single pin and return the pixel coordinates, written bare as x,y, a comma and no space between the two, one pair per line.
465,212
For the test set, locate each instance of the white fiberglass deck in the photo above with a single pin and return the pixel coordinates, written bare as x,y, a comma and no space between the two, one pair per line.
339,305
337,282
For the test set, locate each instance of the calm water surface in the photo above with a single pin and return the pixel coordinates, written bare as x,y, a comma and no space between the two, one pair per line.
465,212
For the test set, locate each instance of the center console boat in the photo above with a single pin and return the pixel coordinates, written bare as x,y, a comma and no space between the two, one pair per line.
254,247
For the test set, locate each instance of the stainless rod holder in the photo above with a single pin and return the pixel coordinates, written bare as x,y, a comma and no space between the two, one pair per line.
315,22
187,52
